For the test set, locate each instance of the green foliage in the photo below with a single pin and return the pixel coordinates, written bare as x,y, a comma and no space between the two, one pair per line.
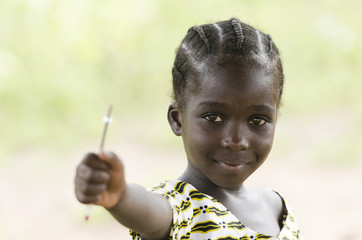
63,62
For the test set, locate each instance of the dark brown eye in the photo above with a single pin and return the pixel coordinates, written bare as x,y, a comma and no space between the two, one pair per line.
211,117
257,121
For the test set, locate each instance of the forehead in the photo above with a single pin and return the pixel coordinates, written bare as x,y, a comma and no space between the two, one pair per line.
236,83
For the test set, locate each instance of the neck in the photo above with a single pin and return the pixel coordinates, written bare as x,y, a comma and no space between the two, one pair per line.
194,177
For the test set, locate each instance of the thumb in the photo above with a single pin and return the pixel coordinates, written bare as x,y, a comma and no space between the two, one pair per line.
112,160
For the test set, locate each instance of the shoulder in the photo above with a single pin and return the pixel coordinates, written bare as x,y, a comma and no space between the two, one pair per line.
171,186
272,200
175,190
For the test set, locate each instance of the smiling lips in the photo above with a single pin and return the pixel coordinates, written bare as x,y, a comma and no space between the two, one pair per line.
234,161
232,165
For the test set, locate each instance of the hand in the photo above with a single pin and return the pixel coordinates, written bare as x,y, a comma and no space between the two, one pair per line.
100,179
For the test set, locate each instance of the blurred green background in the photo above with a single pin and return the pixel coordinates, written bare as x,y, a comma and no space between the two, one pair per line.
63,62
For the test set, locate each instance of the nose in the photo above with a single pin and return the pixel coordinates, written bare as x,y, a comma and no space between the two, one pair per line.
235,139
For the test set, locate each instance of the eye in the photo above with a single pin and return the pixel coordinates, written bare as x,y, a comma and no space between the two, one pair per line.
213,117
257,121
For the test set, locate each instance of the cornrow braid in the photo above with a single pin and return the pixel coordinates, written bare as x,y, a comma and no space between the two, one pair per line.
201,33
235,23
177,73
215,45
270,43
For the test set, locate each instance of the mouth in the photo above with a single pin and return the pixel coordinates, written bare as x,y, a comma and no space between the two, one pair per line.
232,166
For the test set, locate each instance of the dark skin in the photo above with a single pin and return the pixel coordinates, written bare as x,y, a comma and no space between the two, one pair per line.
227,128
100,180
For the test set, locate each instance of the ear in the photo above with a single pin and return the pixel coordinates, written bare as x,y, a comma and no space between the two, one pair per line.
174,119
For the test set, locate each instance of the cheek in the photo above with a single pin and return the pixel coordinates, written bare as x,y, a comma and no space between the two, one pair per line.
265,143
198,139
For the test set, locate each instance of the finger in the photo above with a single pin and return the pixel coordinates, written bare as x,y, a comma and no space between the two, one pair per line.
86,199
112,160
92,160
92,175
89,188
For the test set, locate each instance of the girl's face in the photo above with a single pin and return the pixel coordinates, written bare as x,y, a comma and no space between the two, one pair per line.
228,126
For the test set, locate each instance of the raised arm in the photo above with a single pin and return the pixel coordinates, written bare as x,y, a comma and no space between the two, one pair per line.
100,180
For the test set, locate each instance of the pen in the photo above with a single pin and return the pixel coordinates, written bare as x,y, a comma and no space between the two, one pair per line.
106,120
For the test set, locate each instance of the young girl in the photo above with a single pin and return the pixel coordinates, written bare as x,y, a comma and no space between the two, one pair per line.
227,83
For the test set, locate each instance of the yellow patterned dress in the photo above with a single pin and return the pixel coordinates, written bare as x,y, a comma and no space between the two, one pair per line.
198,216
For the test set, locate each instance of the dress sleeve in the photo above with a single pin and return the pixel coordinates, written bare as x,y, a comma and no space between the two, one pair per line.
290,228
167,189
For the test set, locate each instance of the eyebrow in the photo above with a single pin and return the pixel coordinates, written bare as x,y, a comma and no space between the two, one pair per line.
263,108
259,108
211,104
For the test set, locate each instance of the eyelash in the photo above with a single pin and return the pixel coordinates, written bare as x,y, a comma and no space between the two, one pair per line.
216,115
261,119
219,119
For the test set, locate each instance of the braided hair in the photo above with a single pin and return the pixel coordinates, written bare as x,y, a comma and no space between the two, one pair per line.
217,42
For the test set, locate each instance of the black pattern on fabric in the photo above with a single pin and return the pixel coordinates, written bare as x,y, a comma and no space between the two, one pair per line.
198,216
